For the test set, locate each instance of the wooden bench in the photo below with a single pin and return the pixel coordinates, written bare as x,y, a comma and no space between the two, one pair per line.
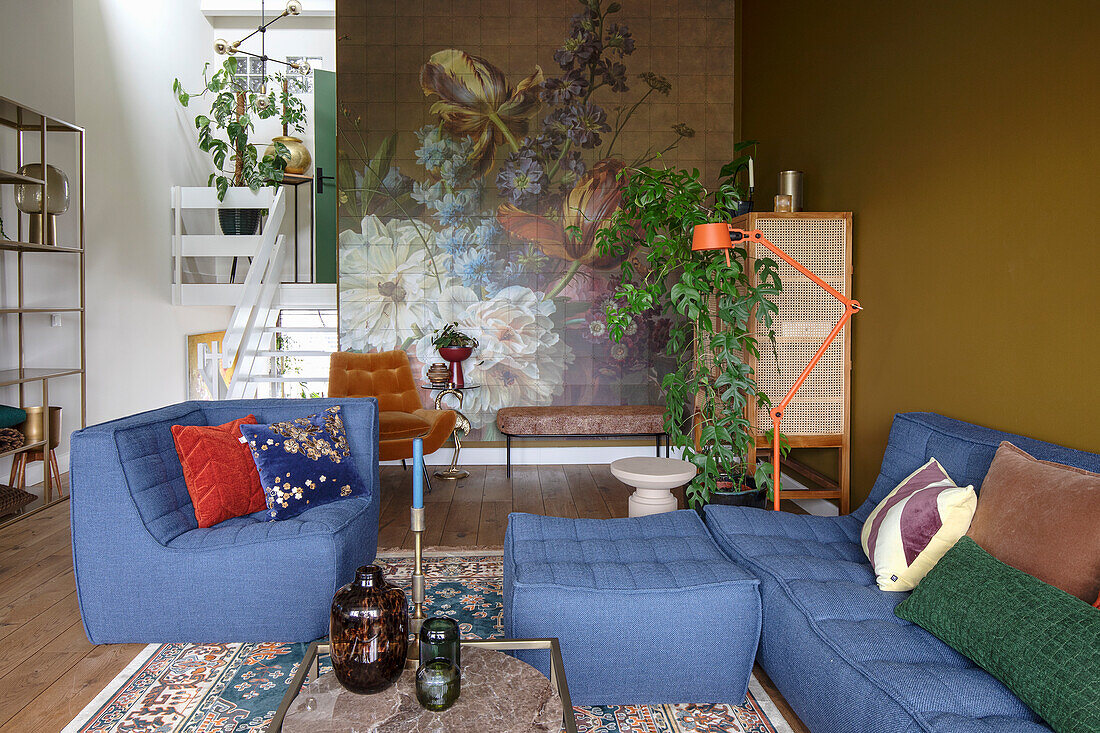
582,421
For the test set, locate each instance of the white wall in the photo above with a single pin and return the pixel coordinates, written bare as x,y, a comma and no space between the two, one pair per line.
36,69
108,65
36,55
127,52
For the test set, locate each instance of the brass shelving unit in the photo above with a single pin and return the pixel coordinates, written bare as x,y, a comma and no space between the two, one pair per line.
32,126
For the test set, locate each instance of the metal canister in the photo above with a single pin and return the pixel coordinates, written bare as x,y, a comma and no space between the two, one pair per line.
790,183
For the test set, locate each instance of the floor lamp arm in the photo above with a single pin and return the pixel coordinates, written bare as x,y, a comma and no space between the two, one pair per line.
851,307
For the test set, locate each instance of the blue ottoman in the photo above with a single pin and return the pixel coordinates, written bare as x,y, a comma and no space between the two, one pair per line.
647,610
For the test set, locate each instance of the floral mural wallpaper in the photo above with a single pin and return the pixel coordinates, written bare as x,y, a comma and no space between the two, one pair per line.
483,145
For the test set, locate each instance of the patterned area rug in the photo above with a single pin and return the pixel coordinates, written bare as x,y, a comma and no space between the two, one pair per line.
223,688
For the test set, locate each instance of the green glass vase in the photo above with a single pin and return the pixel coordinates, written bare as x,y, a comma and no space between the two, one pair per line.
439,638
437,684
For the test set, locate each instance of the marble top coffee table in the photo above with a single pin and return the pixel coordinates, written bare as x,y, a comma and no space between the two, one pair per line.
499,693
652,479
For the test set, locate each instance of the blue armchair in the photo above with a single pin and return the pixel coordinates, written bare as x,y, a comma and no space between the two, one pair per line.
145,571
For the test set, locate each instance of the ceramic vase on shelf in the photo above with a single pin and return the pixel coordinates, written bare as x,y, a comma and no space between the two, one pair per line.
456,355
368,632
300,158
28,199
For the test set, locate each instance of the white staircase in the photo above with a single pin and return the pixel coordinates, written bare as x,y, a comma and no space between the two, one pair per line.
250,346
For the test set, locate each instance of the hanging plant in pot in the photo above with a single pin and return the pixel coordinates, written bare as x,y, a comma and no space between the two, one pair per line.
455,347
237,163
711,307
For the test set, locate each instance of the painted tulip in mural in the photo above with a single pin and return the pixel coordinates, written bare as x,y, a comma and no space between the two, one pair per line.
492,222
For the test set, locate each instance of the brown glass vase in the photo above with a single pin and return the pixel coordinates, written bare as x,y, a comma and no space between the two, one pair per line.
368,632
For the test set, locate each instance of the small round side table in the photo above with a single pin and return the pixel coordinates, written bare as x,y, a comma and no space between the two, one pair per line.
462,425
652,479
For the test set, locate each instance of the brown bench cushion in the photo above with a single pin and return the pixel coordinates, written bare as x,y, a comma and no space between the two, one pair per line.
582,420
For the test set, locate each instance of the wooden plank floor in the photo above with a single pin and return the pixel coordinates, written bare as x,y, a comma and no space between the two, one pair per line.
49,671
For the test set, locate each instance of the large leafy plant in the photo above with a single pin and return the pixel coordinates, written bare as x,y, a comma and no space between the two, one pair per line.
292,110
233,111
711,306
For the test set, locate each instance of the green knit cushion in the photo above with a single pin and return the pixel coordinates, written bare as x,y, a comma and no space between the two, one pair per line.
11,416
1041,642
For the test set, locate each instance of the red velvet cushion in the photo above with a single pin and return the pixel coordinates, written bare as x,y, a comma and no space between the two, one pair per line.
221,476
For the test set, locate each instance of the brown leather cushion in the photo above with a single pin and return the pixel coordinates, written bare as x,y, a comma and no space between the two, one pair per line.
394,425
582,420
1042,518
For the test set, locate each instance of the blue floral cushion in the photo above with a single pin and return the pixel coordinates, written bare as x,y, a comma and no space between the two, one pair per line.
303,462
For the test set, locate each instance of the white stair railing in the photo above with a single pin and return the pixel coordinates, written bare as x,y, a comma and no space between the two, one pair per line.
241,384
248,347
209,361
243,320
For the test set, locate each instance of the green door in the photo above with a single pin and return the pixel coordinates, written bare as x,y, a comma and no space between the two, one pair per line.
325,192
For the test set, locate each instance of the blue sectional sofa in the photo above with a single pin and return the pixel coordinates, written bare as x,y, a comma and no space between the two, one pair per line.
828,637
145,572
646,609
830,640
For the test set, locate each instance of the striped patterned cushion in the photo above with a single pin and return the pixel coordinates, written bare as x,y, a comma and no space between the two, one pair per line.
912,528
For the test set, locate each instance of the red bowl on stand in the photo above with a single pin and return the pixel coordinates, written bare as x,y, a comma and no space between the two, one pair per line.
456,355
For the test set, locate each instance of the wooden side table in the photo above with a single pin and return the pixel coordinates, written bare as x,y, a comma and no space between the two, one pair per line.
18,477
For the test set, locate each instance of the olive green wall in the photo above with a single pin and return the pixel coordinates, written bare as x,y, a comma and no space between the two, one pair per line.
964,137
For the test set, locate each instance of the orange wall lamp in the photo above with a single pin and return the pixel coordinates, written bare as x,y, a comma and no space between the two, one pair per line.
723,236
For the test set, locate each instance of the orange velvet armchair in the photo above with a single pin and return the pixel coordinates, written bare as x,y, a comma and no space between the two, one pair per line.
387,377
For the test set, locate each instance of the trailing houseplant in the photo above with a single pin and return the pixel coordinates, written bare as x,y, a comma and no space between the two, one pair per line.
711,306
224,134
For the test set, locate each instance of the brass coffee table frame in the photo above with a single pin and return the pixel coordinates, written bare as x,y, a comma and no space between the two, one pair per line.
312,663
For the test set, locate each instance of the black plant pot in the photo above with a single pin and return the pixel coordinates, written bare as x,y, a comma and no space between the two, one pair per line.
743,207
749,495
235,222
757,498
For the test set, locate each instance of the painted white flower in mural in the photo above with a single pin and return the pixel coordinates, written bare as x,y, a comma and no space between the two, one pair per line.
390,282
521,359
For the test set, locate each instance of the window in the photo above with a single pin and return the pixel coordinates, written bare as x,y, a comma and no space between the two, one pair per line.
251,71
305,81
307,337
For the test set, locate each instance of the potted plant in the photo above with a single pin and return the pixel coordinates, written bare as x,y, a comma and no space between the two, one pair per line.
232,113
711,306
292,113
454,346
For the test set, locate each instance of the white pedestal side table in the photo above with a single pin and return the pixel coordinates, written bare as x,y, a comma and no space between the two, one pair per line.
652,479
